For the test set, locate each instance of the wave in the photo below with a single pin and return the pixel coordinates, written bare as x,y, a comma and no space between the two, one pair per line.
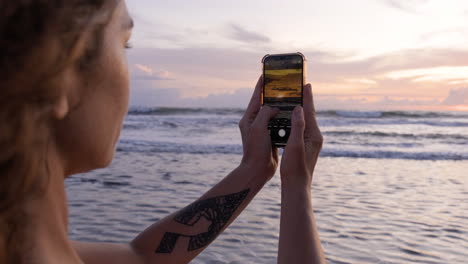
169,147
395,155
391,114
328,113
236,149
396,135
184,111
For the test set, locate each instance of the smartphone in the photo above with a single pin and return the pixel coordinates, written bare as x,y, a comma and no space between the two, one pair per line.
283,82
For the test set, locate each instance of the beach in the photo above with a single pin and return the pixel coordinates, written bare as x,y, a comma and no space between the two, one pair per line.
390,187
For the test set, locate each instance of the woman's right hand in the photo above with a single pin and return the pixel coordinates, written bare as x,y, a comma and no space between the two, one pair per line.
303,147
299,240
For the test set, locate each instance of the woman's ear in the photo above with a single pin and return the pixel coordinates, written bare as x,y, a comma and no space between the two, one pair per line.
67,86
69,80
61,107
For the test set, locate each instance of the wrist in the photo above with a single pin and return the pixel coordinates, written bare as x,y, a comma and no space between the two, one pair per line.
295,184
260,173
259,164
296,193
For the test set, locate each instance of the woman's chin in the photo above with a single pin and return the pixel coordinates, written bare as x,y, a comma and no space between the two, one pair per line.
105,160
99,162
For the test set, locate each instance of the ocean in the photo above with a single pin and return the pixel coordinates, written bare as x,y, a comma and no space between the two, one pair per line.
389,187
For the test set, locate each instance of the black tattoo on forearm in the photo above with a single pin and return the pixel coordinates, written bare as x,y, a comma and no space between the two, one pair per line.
217,210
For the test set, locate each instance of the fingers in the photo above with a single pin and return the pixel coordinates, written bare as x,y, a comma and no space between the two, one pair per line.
309,108
264,116
296,138
275,153
255,101
311,125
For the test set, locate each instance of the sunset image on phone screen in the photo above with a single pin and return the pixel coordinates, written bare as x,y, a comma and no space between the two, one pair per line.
283,81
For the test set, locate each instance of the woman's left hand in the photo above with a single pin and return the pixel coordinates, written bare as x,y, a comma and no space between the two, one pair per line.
258,151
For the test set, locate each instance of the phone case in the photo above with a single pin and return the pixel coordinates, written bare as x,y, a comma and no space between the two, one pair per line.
280,128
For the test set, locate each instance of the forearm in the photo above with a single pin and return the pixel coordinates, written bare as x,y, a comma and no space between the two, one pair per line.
181,236
299,240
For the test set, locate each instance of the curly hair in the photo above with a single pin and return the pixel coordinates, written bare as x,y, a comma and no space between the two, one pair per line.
37,40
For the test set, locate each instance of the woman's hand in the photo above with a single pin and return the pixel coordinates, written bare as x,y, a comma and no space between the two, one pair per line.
258,151
304,145
299,240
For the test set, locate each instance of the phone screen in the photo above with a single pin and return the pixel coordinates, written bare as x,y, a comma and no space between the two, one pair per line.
283,81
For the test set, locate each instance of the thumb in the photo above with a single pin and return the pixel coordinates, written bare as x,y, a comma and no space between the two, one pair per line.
296,138
264,116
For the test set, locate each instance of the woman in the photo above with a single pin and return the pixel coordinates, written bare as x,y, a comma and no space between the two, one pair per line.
64,95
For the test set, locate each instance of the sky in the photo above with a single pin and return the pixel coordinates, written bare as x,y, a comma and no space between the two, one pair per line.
361,54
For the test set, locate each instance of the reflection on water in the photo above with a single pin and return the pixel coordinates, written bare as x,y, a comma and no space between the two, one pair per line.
367,210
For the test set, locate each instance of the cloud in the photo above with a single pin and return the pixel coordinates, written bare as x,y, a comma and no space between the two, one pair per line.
388,101
458,73
202,71
410,6
157,33
217,77
145,94
150,32
362,102
444,33
241,34
144,72
239,98
378,66
324,66
457,96
172,97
